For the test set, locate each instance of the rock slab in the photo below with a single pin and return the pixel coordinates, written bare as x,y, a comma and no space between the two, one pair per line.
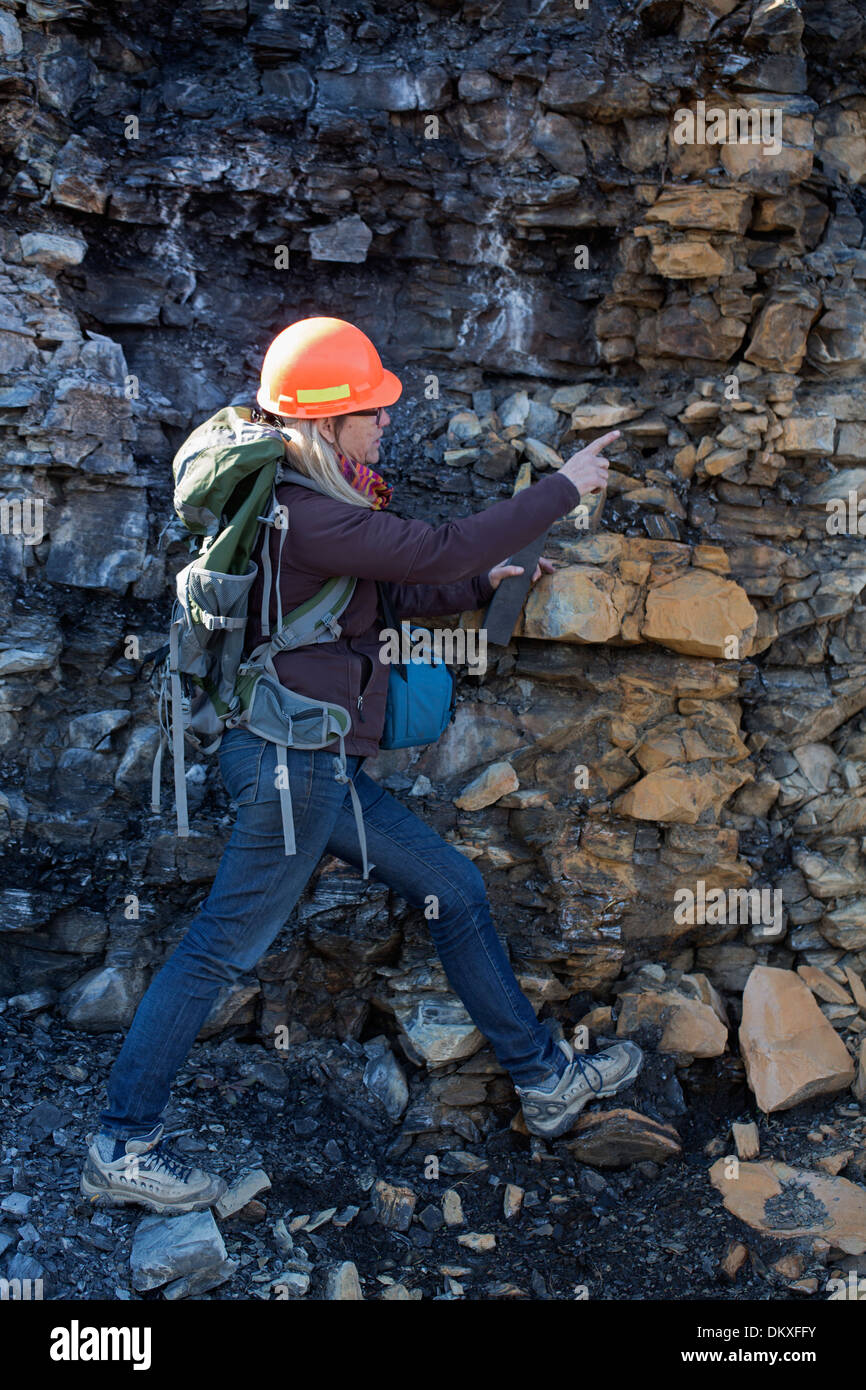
617,1138
791,1052
169,1247
787,1203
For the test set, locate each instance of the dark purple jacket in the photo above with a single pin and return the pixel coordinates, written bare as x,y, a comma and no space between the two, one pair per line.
428,571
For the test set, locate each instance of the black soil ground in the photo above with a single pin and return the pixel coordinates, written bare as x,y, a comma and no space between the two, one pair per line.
646,1232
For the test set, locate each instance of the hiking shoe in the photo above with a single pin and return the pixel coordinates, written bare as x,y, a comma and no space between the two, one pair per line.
588,1076
145,1172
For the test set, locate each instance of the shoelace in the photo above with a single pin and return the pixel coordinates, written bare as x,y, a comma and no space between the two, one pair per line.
583,1063
158,1157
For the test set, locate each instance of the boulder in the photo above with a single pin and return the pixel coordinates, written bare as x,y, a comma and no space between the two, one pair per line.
713,209
478,1241
385,1078
168,1247
104,999
98,538
680,794
11,43
577,604
812,434
780,335
52,249
686,260
791,1052
823,985
845,926
393,1205
558,140
346,240
452,1207
699,613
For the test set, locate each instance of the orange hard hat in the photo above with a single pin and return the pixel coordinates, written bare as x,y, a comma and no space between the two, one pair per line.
324,366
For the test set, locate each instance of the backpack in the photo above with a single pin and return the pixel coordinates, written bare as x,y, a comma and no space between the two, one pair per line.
225,476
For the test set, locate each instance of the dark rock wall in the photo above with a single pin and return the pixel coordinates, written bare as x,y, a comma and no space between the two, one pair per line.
496,193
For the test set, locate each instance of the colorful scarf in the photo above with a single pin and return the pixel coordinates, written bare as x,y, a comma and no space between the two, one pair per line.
366,481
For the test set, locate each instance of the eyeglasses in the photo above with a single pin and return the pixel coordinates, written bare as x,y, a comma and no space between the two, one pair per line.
377,413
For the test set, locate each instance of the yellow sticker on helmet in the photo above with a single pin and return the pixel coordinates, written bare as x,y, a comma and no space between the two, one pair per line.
325,393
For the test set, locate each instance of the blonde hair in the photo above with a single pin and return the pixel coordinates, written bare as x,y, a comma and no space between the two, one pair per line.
310,453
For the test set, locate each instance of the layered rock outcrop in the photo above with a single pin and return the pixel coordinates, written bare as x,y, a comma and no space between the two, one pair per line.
529,214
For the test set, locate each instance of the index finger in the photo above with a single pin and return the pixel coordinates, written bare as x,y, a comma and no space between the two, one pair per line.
599,443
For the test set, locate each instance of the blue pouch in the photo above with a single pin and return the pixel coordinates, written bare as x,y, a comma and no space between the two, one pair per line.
422,695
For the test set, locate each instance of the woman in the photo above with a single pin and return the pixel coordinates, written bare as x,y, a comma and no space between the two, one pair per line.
323,384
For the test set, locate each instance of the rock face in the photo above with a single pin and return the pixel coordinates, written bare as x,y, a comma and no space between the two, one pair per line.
790,1050
514,218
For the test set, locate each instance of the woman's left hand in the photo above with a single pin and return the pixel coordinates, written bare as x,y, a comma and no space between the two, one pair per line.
500,572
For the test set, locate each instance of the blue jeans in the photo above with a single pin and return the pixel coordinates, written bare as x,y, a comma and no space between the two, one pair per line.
255,889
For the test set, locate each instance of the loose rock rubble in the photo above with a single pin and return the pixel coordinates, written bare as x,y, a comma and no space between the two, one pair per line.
321,1206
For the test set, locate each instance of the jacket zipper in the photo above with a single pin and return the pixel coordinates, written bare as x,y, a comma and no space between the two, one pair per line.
359,703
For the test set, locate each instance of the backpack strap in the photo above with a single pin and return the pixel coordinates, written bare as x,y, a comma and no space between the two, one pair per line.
286,811
267,576
341,775
271,582
170,714
288,475
177,732
304,623
315,620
